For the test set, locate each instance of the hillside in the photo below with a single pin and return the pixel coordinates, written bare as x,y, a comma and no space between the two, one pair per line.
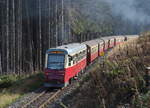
120,81
33,26
29,27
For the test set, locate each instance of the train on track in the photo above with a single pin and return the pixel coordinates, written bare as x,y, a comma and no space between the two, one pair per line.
65,62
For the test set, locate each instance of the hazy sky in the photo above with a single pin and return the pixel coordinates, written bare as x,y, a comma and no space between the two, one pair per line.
128,9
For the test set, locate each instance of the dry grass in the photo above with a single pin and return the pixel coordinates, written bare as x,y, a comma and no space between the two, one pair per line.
120,79
123,73
117,81
19,88
6,99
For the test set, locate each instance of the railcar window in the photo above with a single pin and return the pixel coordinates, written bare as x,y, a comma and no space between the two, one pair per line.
85,52
94,49
69,63
55,61
77,57
112,41
73,61
82,55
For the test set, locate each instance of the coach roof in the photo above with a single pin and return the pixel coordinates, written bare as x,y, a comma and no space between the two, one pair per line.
91,43
99,40
107,38
70,49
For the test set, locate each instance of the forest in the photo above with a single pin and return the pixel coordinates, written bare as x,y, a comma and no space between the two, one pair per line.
29,27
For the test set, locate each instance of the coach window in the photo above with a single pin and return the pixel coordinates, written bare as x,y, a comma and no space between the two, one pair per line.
111,41
93,49
77,57
85,52
102,44
70,59
73,59
82,54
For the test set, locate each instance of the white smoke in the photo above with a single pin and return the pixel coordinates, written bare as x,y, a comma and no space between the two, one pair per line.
129,10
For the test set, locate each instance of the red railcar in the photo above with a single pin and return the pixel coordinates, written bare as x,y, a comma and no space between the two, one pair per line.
111,42
129,37
119,39
106,42
64,63
101,47
92,50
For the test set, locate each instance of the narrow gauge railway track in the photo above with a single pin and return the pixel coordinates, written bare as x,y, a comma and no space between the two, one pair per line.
43,99
47,96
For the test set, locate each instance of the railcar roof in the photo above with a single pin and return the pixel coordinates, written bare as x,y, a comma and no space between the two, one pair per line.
71,49
107,38
113,37
119,36
99,40
131,35
91,43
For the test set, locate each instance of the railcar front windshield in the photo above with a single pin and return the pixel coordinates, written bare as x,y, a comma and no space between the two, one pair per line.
56,61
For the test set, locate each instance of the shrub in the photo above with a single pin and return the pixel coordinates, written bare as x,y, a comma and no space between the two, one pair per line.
7,80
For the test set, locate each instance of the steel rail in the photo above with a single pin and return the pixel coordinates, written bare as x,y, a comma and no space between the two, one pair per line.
44,104
51,98
33,100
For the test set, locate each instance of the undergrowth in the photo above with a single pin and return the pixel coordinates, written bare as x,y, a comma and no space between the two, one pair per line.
120,80
13,87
